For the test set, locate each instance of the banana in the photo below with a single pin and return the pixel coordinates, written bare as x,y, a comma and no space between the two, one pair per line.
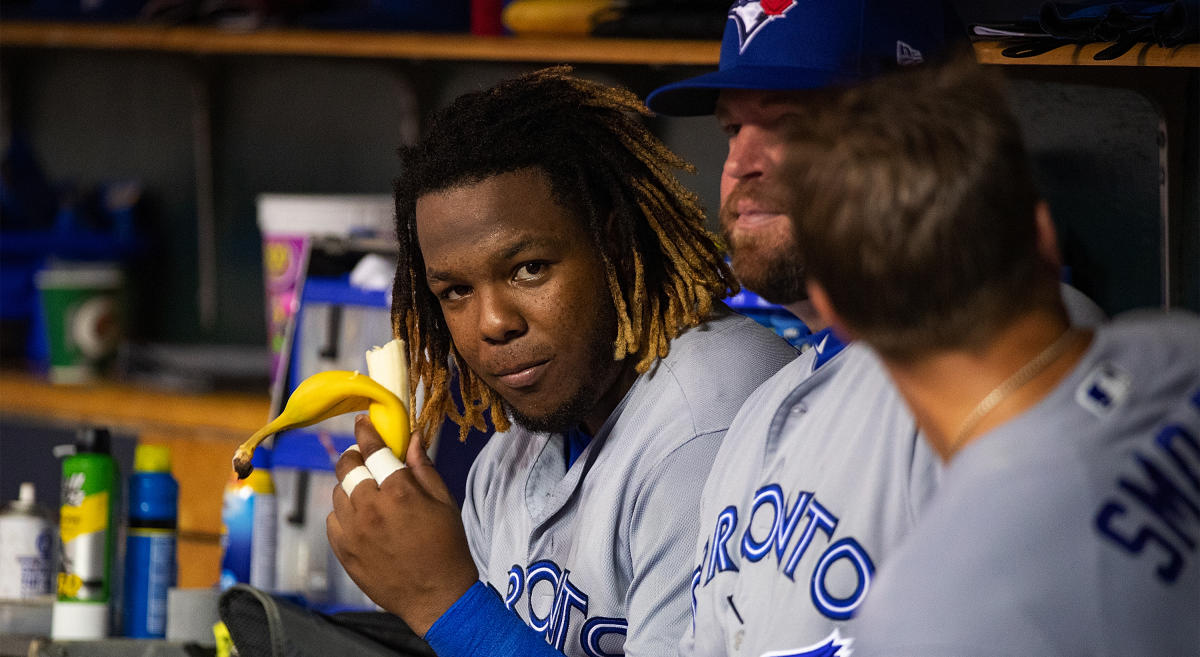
327,394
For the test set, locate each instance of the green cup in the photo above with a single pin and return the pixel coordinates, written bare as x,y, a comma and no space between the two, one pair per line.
84,318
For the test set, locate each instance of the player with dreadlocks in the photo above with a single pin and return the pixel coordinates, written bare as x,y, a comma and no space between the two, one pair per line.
626,193
551,263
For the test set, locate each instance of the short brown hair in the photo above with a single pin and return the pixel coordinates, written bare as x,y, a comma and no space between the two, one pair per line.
915,208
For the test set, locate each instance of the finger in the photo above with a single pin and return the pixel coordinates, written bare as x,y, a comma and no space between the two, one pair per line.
356,477
350,470
334,532
366,435
425,473
383,463
416,454
350,459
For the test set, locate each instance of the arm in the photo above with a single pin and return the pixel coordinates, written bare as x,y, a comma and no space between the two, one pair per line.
377,532
400,539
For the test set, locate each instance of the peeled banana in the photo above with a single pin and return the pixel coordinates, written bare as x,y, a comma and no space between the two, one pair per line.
327,394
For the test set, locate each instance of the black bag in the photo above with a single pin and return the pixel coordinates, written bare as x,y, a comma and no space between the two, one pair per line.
1168,23
262,625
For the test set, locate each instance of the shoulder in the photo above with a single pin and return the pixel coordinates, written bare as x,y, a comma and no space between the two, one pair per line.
710,372
726,337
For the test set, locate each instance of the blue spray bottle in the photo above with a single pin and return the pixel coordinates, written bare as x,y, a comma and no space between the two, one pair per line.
150,549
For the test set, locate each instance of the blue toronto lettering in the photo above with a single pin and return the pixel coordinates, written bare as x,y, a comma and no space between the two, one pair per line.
516,586
818,518
849,550
718,558
599,629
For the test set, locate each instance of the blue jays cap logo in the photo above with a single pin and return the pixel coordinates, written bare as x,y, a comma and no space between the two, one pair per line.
753,15
832,646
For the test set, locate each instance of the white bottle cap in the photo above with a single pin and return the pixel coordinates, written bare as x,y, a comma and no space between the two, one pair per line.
79,620
27,493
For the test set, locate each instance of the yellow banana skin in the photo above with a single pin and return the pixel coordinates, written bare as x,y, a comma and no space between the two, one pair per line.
325,395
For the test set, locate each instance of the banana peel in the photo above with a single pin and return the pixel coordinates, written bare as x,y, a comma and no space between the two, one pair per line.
328,394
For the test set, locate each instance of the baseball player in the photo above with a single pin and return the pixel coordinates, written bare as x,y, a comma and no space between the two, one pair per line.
549,256
823,473
1067,518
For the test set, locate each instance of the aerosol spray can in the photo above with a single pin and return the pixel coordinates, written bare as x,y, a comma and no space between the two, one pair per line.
26,548
89,494
150,544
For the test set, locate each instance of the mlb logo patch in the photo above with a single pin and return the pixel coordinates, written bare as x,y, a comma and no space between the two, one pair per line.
1104,388
751,16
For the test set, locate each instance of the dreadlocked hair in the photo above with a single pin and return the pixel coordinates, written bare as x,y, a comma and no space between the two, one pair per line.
664,270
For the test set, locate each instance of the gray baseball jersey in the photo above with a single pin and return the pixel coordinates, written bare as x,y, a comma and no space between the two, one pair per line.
822,474
597,556
1071,529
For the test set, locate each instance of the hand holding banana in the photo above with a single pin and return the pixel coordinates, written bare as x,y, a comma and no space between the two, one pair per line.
383,395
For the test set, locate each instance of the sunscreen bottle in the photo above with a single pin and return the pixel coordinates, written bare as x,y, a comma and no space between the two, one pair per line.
150,543
248,527
89,494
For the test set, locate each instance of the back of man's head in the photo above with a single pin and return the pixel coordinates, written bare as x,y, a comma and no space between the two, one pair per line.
779,45
915,209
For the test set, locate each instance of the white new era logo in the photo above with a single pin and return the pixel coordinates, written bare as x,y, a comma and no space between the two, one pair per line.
906,55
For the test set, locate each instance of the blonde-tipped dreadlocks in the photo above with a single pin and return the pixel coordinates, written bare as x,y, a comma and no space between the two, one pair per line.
664,269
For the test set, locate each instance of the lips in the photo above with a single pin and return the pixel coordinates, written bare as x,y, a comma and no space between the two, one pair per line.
524,375
746,208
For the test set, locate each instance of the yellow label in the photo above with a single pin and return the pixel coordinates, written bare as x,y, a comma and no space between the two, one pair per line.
90,516
69,585
224,641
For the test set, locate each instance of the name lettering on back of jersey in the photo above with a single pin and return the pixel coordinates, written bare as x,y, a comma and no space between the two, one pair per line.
1155,511
782,533
558,609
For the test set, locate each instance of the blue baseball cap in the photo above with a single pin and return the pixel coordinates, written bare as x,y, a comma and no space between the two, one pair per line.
807,44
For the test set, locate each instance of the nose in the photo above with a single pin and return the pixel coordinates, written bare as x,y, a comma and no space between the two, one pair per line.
746,155
500,319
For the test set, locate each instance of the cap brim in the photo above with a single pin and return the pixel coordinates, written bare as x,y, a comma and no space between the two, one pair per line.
698,96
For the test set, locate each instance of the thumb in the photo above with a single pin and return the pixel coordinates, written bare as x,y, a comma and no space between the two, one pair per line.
423,470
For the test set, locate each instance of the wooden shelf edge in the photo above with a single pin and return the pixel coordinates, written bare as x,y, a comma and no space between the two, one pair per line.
229,416
366,44
1142,54
464,47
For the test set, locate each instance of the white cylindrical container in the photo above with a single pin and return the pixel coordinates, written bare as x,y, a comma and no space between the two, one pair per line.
26,548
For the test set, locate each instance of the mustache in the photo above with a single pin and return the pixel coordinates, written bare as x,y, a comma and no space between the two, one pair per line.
764,195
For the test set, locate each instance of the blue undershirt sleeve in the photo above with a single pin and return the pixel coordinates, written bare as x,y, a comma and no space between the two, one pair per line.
478,623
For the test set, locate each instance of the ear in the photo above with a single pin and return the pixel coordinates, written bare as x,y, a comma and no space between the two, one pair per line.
1047,236
823,306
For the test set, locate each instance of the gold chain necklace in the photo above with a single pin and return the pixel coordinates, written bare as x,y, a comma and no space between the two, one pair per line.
1013,383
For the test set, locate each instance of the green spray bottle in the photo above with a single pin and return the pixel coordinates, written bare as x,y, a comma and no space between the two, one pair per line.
90,487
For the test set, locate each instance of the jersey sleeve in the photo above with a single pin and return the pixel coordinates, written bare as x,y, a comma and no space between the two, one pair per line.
479,624
663,533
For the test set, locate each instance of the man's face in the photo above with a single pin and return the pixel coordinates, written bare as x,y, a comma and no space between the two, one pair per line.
760,235
524,294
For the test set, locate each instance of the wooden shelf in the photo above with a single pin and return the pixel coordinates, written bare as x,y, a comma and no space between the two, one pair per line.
387,45
463,47
225,416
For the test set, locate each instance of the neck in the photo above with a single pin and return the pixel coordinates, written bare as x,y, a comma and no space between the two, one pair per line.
612,396
945,388
808,314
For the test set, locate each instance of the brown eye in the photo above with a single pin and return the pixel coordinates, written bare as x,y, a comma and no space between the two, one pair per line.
454,293
529,271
